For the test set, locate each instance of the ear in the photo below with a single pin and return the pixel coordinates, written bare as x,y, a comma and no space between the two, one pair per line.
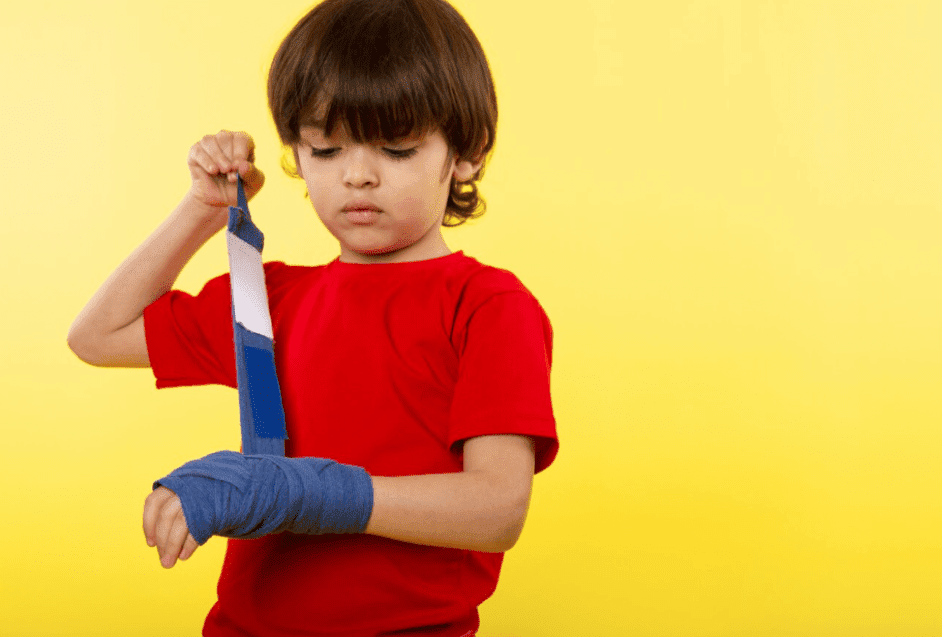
464,170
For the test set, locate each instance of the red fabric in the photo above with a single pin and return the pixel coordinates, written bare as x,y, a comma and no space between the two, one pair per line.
389,367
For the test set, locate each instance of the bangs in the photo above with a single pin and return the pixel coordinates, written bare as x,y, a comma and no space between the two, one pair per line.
375,70
369,106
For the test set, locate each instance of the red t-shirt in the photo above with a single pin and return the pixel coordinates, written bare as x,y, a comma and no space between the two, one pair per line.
388,367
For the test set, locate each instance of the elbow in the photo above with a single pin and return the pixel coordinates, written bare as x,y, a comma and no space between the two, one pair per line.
80,346
509,526
125,347
84,345
503,541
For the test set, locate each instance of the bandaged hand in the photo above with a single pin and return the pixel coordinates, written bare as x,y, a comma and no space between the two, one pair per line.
247,496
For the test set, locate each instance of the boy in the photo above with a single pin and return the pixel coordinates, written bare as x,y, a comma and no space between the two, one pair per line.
418,375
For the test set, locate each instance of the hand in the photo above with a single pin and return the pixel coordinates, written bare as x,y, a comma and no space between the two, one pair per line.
214,162
165,527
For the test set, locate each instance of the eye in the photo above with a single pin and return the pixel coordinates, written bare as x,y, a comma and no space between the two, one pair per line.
323,153
400,154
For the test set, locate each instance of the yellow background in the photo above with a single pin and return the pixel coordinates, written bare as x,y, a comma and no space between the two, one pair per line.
731,210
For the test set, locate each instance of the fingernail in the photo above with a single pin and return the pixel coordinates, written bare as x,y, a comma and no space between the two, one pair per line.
150,542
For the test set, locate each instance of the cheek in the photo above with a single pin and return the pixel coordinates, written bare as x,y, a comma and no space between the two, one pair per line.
424,188
316,187
318,196
411,206
320,206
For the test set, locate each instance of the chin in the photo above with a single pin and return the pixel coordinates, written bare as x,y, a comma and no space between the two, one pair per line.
375,251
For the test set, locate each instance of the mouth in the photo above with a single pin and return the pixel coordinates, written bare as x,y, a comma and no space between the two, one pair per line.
361,204
361,212
361,216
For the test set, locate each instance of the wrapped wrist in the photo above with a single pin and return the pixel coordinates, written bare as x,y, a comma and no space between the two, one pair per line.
234,495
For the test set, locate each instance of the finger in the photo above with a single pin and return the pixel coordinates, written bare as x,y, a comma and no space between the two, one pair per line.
152,505
224,139
243,147
244,158
201,159
219,149
234,146
165,519
175,540
189,547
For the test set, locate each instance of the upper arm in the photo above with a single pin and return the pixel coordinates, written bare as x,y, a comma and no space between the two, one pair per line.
126,347
505,455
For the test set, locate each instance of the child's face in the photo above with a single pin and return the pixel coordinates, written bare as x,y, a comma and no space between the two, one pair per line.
384,202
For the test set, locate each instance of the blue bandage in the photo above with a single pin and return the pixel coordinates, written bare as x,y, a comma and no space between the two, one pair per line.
261,413
246,496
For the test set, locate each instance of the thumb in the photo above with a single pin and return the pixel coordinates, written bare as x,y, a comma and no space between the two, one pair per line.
189,547
252,178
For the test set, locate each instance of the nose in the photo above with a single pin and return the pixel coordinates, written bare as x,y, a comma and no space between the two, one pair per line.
360,169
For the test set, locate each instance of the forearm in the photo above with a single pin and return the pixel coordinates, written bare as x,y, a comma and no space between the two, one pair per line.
144,276
468,510
482,508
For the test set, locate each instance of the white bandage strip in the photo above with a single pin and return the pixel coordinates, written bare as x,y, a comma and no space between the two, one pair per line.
249,296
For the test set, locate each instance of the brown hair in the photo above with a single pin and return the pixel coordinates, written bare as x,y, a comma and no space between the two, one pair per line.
385,69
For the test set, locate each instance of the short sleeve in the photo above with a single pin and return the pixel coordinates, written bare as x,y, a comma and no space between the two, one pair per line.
189,338
503,386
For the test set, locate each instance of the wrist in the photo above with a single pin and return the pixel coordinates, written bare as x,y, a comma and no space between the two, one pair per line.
195,210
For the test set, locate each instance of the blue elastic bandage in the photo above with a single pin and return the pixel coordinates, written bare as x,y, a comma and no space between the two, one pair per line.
234,495
261,413
246,496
